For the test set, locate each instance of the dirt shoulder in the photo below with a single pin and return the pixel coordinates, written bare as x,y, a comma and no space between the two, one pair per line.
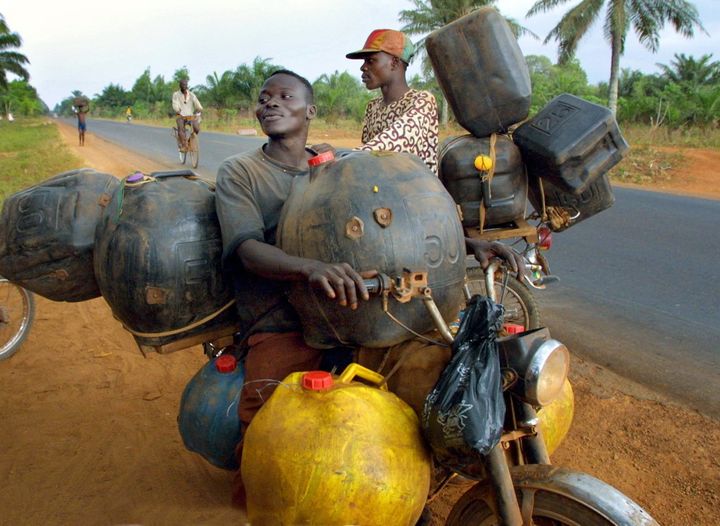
696,175
90,436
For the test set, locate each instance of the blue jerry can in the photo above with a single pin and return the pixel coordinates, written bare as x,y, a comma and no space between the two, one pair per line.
208,419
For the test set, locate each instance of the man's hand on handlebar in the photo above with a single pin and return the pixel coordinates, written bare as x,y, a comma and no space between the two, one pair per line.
340,282
484,251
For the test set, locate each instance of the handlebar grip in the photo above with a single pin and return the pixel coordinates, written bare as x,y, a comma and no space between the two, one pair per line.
373,285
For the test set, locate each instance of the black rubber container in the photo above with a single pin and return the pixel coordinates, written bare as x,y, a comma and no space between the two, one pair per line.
598,196
506,195
481,71
158,250
47,234
571,142
379,211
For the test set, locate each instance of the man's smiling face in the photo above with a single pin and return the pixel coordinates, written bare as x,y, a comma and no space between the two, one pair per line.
282,107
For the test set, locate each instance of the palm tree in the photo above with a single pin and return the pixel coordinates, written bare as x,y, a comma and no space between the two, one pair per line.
687,70
647,17
10,61
429,15
248,80
221,90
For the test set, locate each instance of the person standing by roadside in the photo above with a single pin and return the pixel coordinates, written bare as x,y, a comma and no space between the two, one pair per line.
402,119
81,113
186,105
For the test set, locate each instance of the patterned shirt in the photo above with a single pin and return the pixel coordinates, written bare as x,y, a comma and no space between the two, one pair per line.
406,125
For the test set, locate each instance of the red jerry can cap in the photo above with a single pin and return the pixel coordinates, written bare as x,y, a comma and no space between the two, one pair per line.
225,363
321,158
317,381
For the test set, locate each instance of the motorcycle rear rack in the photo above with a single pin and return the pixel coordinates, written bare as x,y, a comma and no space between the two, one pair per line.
518,228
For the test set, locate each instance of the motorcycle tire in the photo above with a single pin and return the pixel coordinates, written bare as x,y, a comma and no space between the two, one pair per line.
555,497
520,305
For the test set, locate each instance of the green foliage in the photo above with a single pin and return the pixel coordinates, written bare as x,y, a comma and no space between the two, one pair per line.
687,93
11,61
340,96
249,78
550,80
20,98
647,18
30,151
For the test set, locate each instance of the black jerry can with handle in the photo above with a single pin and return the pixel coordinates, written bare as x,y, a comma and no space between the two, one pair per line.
505,195
570,143
482,72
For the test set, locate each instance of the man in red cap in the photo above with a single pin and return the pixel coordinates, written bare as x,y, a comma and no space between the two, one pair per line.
403,119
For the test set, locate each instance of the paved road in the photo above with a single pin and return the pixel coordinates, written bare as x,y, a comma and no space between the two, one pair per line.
639,288
158,143
640,293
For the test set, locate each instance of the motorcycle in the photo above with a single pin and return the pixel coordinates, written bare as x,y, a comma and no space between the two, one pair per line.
516,483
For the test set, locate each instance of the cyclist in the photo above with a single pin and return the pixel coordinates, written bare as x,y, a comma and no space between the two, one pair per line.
185,105
128,114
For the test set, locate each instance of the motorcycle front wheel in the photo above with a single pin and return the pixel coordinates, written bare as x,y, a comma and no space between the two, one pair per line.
553,497
520,305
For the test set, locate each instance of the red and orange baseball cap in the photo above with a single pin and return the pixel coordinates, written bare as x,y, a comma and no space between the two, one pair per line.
390,41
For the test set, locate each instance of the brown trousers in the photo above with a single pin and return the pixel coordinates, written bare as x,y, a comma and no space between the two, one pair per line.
420,365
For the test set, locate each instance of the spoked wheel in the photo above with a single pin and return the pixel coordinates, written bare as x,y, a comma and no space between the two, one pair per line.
194,150
520,305
17,310
552,496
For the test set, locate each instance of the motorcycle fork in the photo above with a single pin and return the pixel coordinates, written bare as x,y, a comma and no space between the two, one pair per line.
498,470
522,445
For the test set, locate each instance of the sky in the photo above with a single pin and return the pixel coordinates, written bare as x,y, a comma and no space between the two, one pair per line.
87,44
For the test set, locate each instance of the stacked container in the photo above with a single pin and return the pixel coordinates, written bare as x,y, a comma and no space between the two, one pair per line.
569,147
560,157
483,74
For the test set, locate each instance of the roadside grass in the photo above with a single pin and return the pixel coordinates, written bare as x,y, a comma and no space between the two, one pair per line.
31,150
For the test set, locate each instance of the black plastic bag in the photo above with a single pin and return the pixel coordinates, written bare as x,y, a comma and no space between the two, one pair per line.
464,413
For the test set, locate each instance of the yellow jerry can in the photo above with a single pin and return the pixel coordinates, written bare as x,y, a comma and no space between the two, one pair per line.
327,451
555,419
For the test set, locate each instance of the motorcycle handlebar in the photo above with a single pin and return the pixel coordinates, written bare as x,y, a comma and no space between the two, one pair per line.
373,285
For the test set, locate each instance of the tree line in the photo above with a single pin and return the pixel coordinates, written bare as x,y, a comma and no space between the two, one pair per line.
685,92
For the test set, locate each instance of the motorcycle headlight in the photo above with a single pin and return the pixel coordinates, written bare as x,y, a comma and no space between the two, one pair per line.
541,365
546,373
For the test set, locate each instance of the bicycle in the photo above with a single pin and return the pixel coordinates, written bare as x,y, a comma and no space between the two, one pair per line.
17,311
193,145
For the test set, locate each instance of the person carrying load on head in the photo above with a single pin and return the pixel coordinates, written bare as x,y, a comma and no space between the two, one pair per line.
186,105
